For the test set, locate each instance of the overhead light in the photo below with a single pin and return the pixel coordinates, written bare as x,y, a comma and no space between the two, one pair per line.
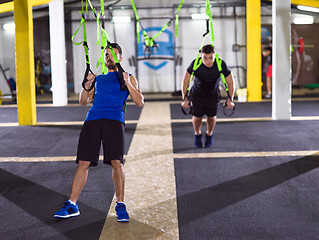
9,26
121,19
303,20
308,9
199,16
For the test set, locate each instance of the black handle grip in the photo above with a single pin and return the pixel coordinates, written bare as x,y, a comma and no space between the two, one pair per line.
121,80
224,108
85,79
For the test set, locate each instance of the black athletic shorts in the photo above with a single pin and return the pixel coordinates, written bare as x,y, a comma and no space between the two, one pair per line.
110,132
204,104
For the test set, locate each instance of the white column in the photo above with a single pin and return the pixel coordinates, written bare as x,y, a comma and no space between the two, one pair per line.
281,60
57,50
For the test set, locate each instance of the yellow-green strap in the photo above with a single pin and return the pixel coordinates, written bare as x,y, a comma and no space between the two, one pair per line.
177,18
209,14
105,35
197,63
98,29
176,25
93,9
150,41
76,32
84,42
82,23
169,22
102,7
103,43
137,21
217,58
220,69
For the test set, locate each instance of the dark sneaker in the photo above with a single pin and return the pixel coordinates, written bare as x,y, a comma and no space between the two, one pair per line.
68,210
209,141
198,140
121,213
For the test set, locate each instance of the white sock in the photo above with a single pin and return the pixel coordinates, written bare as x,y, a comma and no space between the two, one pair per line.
72,202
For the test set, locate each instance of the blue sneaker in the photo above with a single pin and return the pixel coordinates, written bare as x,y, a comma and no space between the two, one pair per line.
198,140
121,213
68,210
209,141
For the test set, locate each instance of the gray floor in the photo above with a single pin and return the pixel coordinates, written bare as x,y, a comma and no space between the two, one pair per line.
32,191
217,198
249,197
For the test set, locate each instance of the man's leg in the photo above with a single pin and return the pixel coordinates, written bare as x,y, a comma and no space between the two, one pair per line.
119,182
197,124
79,180
268,81
268,85
211,123
70,208
118,179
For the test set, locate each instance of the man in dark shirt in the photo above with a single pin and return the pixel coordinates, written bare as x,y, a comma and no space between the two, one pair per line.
205,94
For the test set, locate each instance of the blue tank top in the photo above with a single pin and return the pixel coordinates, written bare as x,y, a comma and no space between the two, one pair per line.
109,101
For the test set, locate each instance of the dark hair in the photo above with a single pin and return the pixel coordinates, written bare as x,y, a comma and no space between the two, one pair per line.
208,49
115,45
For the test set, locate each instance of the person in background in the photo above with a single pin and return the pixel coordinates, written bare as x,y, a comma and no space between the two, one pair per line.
205,93
267,53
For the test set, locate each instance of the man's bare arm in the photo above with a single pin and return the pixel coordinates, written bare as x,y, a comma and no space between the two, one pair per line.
231,89
87,96
132,85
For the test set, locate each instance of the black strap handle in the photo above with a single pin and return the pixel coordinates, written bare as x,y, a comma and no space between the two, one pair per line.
121,78
88,69
207,28
225,105
190,105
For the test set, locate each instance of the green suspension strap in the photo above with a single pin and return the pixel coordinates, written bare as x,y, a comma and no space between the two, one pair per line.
86,47
218,60
197,63
210,20
102,42
177,17
169,22
105,43
149,42
137,21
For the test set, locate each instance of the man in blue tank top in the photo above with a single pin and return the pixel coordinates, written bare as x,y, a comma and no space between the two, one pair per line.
104,123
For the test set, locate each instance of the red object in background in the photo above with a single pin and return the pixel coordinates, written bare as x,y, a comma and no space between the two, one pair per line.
301,43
